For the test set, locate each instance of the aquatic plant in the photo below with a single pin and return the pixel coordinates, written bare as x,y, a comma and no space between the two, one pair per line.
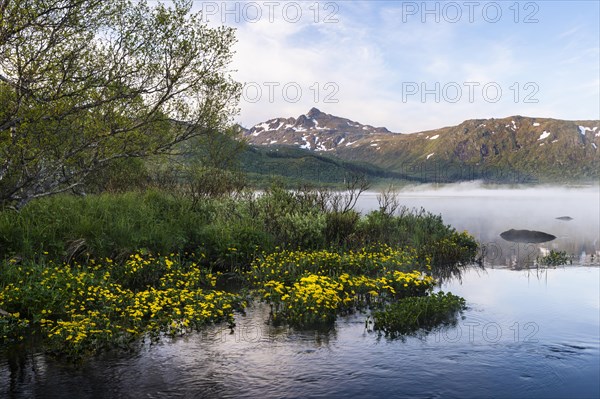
411,314
554,258
83,308
307,288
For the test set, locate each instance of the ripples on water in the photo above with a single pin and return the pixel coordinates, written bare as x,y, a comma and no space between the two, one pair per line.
528,333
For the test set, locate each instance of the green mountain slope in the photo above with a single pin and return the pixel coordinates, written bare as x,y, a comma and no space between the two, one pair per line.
513,149
299,166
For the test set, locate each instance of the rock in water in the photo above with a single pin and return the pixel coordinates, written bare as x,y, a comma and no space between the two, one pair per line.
526,236
567,218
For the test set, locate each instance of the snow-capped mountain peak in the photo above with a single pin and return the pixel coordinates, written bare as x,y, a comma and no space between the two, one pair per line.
314,130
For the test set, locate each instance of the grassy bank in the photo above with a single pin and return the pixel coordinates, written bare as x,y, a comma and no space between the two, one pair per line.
230,231
88,273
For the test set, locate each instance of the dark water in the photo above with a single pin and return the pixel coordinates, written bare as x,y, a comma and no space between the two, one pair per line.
527,333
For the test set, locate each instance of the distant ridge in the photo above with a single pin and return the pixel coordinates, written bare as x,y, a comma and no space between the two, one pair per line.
505,149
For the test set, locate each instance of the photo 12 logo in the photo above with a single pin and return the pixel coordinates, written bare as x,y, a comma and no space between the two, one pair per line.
454,92
489,332
271,11
469,11
470,331
290,92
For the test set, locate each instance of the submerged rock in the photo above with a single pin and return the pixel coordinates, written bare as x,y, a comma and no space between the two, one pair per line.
567,218
527,236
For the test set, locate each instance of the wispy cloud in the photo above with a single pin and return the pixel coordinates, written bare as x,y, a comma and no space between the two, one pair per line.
359,64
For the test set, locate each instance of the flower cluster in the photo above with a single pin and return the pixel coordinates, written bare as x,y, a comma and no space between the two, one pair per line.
82,308
288,266
306,288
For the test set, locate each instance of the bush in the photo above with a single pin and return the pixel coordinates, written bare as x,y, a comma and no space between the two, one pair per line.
206,182
437,244
340,228
554,258
411,314
292,218
115,225
119,176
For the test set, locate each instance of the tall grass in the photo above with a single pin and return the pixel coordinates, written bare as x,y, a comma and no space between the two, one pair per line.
105,225
231,232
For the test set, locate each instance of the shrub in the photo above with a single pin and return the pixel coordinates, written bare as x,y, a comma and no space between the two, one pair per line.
119,176
413,313
554,258
340,228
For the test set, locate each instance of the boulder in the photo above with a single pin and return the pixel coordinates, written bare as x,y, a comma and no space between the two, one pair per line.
527,236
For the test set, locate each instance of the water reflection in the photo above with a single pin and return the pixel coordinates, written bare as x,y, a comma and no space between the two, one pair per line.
522,336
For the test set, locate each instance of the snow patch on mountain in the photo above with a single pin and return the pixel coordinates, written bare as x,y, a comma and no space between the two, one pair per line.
306,144
544,135
583,129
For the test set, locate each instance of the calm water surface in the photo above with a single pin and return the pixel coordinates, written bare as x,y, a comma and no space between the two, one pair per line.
527,333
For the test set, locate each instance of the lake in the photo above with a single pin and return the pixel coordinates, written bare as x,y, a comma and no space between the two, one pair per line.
527,332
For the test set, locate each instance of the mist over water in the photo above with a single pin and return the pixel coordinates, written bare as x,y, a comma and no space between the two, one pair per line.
486,211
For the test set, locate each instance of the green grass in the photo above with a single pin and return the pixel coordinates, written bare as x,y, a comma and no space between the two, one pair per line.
231,232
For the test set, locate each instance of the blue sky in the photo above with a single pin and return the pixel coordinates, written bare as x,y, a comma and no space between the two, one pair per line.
413,66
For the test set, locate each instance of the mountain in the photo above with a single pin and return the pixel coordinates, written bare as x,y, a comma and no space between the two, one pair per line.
315,130
297,167
513,149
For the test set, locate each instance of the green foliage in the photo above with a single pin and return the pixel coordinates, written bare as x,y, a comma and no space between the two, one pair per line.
80,309
231,232
555,258
119,176
436,243
84,83
13,328
305,288
102,270
411,314
208,182
341,227
294,220
101,226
